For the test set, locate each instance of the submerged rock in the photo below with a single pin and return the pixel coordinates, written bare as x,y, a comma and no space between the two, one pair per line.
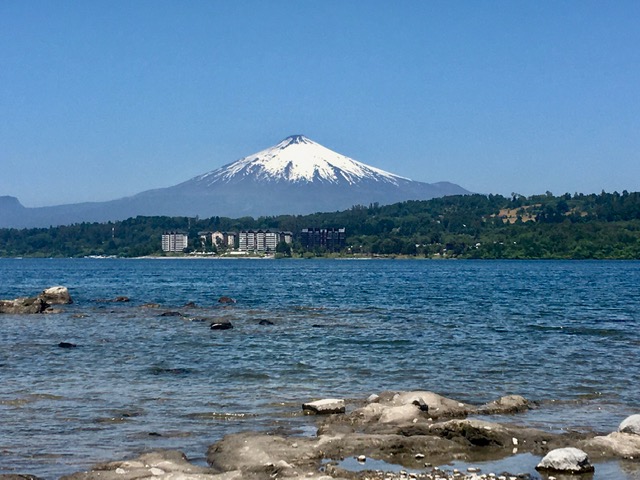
120,299
67,345
150,305
266,322
569,460
225,299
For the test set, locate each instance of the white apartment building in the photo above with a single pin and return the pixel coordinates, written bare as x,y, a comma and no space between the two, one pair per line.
174,241
261,240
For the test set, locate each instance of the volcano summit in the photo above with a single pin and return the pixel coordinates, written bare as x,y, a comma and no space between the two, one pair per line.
296,176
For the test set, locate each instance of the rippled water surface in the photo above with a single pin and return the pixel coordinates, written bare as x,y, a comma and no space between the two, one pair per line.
562,333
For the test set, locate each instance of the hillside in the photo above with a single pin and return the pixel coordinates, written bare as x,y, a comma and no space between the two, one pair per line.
595,226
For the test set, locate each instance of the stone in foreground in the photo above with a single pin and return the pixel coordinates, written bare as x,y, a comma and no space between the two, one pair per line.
630,425
568,460
324,407
162,464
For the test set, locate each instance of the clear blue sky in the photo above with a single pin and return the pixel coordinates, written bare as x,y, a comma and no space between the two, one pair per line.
100,100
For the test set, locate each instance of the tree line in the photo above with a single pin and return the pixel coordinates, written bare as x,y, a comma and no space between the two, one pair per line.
578,226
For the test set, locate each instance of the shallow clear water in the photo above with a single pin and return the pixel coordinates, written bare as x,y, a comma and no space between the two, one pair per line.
562,333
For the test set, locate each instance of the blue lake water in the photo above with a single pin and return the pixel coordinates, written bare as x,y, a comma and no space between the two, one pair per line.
565,334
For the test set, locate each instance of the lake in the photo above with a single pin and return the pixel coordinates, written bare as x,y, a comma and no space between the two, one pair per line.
564,334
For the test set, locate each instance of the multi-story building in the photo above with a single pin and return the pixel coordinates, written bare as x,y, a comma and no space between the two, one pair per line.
219,239
333,239
225,239
174,241
261,240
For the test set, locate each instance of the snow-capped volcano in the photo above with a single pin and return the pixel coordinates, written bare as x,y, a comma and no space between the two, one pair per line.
298,159
296,176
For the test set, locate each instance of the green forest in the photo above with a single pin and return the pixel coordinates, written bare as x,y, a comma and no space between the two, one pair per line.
579,226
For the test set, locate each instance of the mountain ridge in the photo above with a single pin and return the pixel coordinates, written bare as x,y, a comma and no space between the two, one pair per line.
296,176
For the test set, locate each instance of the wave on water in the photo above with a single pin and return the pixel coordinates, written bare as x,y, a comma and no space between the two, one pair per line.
473,331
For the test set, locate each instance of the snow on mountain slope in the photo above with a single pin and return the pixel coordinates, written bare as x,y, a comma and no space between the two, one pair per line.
297,159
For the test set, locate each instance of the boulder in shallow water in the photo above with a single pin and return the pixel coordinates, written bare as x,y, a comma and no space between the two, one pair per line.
436,405
630,425
221,326
568,460
21,306
225,299
324,407
57,295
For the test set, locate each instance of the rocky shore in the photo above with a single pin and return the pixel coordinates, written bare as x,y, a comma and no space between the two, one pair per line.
390,435
40,303
415,434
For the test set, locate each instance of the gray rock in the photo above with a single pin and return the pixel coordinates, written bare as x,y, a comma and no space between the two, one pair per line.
630,425
254,453
324,407
569,460
169,464
22,306
436,405
507,404
57,295
616,444
373,398
399,414
221,326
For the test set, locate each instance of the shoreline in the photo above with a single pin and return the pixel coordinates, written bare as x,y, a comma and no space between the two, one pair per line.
392,435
